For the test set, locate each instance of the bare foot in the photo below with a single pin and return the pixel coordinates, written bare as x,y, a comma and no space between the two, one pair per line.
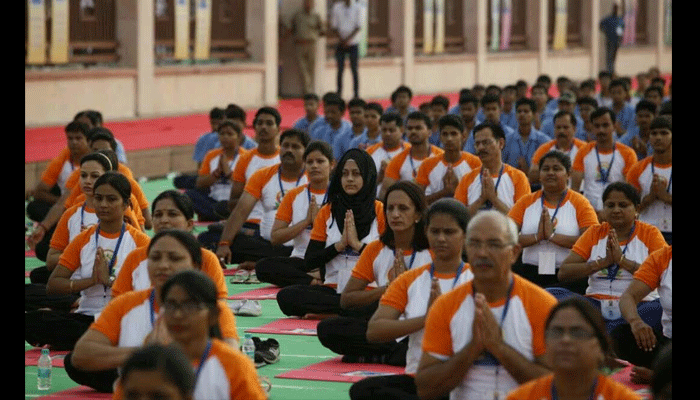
641,375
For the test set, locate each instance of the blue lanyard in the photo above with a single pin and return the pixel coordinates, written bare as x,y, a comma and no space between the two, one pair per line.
555,396
410,262
612,271
500,174
205,355
82,215
279,180
605,174
116,248
558,204
454,282
668,188
413,168
152,303
520,149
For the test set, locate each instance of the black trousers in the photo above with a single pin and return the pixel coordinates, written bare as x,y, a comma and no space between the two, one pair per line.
299,300
348,336
102,381
58,329
393,387
243,247
283,271
35,298
626,346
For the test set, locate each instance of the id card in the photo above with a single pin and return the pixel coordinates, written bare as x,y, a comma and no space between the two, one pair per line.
547,263
610,309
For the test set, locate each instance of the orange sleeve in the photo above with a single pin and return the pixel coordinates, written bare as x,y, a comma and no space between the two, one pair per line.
71,200
396,294
520,182
125,171
240,371
541,151
585,213
393,169
50,174
577,162
318,232
538,307
424,170
462,190
123,283
364,269
629,155
109,321
204,169
651,236
138,193
635,171
258,180
517,212
437,337
238,174
136,210
370,150
227,322
212,267
61,236
285,211
473,161
381,221
653,267
73,179
70,258
590,237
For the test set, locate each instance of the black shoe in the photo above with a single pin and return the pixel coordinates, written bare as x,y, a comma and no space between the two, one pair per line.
268,350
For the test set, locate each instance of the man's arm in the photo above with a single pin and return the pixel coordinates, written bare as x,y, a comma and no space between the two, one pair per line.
436,378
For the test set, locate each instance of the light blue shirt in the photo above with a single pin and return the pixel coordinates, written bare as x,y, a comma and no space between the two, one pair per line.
339,139
121,154
509,119
363,139
626,139
314,126
210,141
303,124
626,117
434,139
516,148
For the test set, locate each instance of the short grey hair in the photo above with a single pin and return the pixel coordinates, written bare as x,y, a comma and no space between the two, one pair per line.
501,219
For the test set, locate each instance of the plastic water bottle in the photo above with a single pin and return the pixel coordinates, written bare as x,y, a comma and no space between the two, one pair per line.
44,372
248,347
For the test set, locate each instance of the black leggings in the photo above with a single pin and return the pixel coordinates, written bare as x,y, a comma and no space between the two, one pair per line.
393,387
348,336
58,329
283,271
626,346
102,381
299,300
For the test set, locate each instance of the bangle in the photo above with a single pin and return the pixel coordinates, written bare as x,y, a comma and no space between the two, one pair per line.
551,236
224,243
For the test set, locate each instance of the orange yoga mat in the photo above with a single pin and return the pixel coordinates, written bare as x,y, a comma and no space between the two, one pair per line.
288,326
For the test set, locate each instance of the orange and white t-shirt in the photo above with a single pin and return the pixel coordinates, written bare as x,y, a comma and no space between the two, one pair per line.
377,259
510,186
409,293
136,193
640,176
657,273
221,189
448,328
58,170
133,274
551,145
379,154
269,187
574,213
325,229
403,167
433,169
592,245
616,163
226,374
133,213
294,208
249,163
541,389
129,318
79,257
74,178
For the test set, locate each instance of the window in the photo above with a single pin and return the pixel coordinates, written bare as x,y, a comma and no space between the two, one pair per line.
518,33
573,23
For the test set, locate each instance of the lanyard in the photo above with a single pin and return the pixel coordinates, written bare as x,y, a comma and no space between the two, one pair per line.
555,396
205,355
279,180
413,167
116,248
604,174
413,257
563,195
500,174
152,303
668,188
612,271
82,215
432,272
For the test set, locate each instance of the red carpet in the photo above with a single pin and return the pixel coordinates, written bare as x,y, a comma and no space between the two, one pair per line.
335,370
288,326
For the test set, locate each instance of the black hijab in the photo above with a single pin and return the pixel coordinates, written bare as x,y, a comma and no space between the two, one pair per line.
361,203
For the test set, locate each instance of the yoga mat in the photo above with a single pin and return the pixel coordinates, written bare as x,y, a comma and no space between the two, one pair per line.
80,392
31,357
266,293
288,326
335,370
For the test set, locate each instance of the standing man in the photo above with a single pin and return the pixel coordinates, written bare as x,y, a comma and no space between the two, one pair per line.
613,26
346,20
306,28
486,336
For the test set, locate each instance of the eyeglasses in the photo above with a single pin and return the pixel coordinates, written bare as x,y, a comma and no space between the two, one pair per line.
491,246
579,334
187,307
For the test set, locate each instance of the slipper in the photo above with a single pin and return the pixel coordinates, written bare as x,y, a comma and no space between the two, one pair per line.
241,276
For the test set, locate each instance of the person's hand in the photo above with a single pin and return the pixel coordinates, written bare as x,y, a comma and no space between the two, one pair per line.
641,375
449,180
488,329
159,334
100,270
224,253
488,188
382,168
638,146
547,225
643,334
658,185
36,236
313,211
435,291
398,267
342,244
352,239
613,248
618,128
522,164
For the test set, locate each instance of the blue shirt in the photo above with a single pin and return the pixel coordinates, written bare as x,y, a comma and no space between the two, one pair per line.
434,139
627,140
509,119
303,124
210,141
612,26
314,126
516,148
626,117
548,127
363,139
121,154
339,139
